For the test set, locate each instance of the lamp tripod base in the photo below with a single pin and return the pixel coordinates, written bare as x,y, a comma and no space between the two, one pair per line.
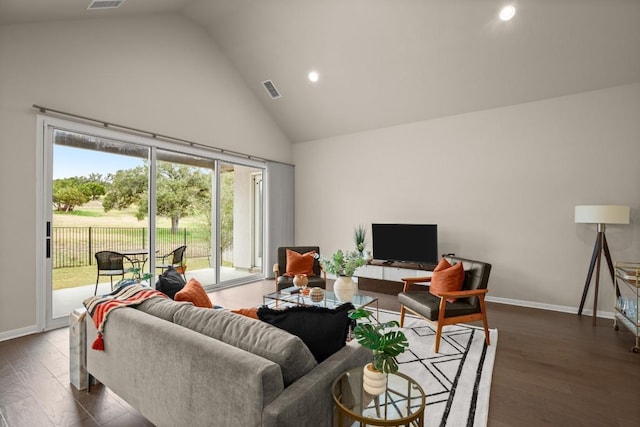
599,247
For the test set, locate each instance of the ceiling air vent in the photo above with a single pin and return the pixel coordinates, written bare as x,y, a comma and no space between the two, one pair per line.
105,4
271,89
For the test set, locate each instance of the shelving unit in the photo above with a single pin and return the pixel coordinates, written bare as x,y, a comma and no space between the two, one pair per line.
627,304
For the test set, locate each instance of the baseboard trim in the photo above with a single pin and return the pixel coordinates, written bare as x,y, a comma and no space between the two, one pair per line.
549,307
17,333
28,330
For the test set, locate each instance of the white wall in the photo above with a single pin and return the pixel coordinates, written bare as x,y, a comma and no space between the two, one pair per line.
159,73
501,184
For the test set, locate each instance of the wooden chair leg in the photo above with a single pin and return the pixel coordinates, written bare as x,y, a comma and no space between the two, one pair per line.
402,312
484,320
441,310
486,330
276,273
438,335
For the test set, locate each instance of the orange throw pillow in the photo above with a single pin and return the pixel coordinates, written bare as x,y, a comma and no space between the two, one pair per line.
194,293
442,265
299,263
249,312
447,278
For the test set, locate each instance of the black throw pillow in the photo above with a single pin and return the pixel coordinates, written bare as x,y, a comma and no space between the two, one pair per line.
170,282
323,330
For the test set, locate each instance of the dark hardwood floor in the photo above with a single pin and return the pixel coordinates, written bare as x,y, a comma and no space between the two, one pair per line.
551,369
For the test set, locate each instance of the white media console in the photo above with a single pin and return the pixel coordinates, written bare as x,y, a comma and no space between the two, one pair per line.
380,276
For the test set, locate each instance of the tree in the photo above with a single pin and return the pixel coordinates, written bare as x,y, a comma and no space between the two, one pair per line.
180,191
69,193
127,188
95,185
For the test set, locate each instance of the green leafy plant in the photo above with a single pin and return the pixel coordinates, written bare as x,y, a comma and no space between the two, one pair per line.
385,342
136,272
342,263
359,235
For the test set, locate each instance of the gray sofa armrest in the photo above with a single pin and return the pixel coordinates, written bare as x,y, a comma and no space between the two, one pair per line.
175,376
308,401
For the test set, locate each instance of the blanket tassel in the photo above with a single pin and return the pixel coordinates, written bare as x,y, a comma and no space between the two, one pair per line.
98,344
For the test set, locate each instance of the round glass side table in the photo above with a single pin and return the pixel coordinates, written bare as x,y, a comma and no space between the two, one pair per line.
401,404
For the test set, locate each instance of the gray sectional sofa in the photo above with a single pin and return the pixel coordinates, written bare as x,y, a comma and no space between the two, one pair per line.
182,365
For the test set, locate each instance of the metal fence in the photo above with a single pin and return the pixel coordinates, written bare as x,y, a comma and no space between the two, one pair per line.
76,246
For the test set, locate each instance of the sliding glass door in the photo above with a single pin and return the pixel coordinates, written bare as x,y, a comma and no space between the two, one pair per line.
104,190
184,209
89,216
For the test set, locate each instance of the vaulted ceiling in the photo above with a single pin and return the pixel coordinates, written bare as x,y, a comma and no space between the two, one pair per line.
388,62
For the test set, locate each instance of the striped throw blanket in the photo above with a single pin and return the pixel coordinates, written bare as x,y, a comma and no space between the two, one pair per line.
100,306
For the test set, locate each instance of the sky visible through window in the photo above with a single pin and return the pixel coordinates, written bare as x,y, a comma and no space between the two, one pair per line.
69,162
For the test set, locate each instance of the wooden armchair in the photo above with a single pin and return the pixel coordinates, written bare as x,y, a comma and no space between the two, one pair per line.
318,279
469,306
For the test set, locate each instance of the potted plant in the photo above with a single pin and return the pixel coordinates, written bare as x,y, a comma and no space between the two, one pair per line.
386,343
136,277
343,265
359,235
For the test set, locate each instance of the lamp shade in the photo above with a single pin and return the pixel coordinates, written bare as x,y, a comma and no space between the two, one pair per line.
602,214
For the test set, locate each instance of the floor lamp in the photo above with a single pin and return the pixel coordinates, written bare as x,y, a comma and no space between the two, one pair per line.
600,215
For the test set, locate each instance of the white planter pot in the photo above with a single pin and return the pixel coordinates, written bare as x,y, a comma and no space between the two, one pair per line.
345,288
373,382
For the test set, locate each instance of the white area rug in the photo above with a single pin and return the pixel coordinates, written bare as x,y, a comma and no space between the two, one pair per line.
457,380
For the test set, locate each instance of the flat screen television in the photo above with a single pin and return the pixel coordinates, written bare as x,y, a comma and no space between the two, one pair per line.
416,243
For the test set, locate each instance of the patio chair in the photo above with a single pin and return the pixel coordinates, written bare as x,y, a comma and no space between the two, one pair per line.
110,264
175,259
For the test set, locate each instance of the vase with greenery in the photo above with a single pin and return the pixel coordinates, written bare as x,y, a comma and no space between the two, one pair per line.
343,265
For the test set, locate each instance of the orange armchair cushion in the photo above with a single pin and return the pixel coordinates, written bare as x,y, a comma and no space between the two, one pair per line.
447,278
299,263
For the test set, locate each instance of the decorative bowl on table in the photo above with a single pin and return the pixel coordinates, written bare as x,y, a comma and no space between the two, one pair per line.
316,294
301,280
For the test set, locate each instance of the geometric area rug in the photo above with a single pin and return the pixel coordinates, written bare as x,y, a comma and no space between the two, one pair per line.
457,380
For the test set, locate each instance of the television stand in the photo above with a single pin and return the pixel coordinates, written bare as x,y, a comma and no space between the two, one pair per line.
385,276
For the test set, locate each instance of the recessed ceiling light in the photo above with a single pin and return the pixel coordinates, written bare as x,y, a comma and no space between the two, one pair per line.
313,76
507,12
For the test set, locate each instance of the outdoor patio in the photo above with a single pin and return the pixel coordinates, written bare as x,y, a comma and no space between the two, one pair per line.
68,299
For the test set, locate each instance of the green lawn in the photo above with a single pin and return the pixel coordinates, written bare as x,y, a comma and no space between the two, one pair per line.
82,276
93,215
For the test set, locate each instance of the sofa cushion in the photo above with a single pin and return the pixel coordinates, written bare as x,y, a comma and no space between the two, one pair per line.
323,330
299,263
447,278
163,308
194,292
259,338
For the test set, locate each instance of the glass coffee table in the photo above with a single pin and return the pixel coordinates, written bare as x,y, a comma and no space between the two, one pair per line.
285,298
402,403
